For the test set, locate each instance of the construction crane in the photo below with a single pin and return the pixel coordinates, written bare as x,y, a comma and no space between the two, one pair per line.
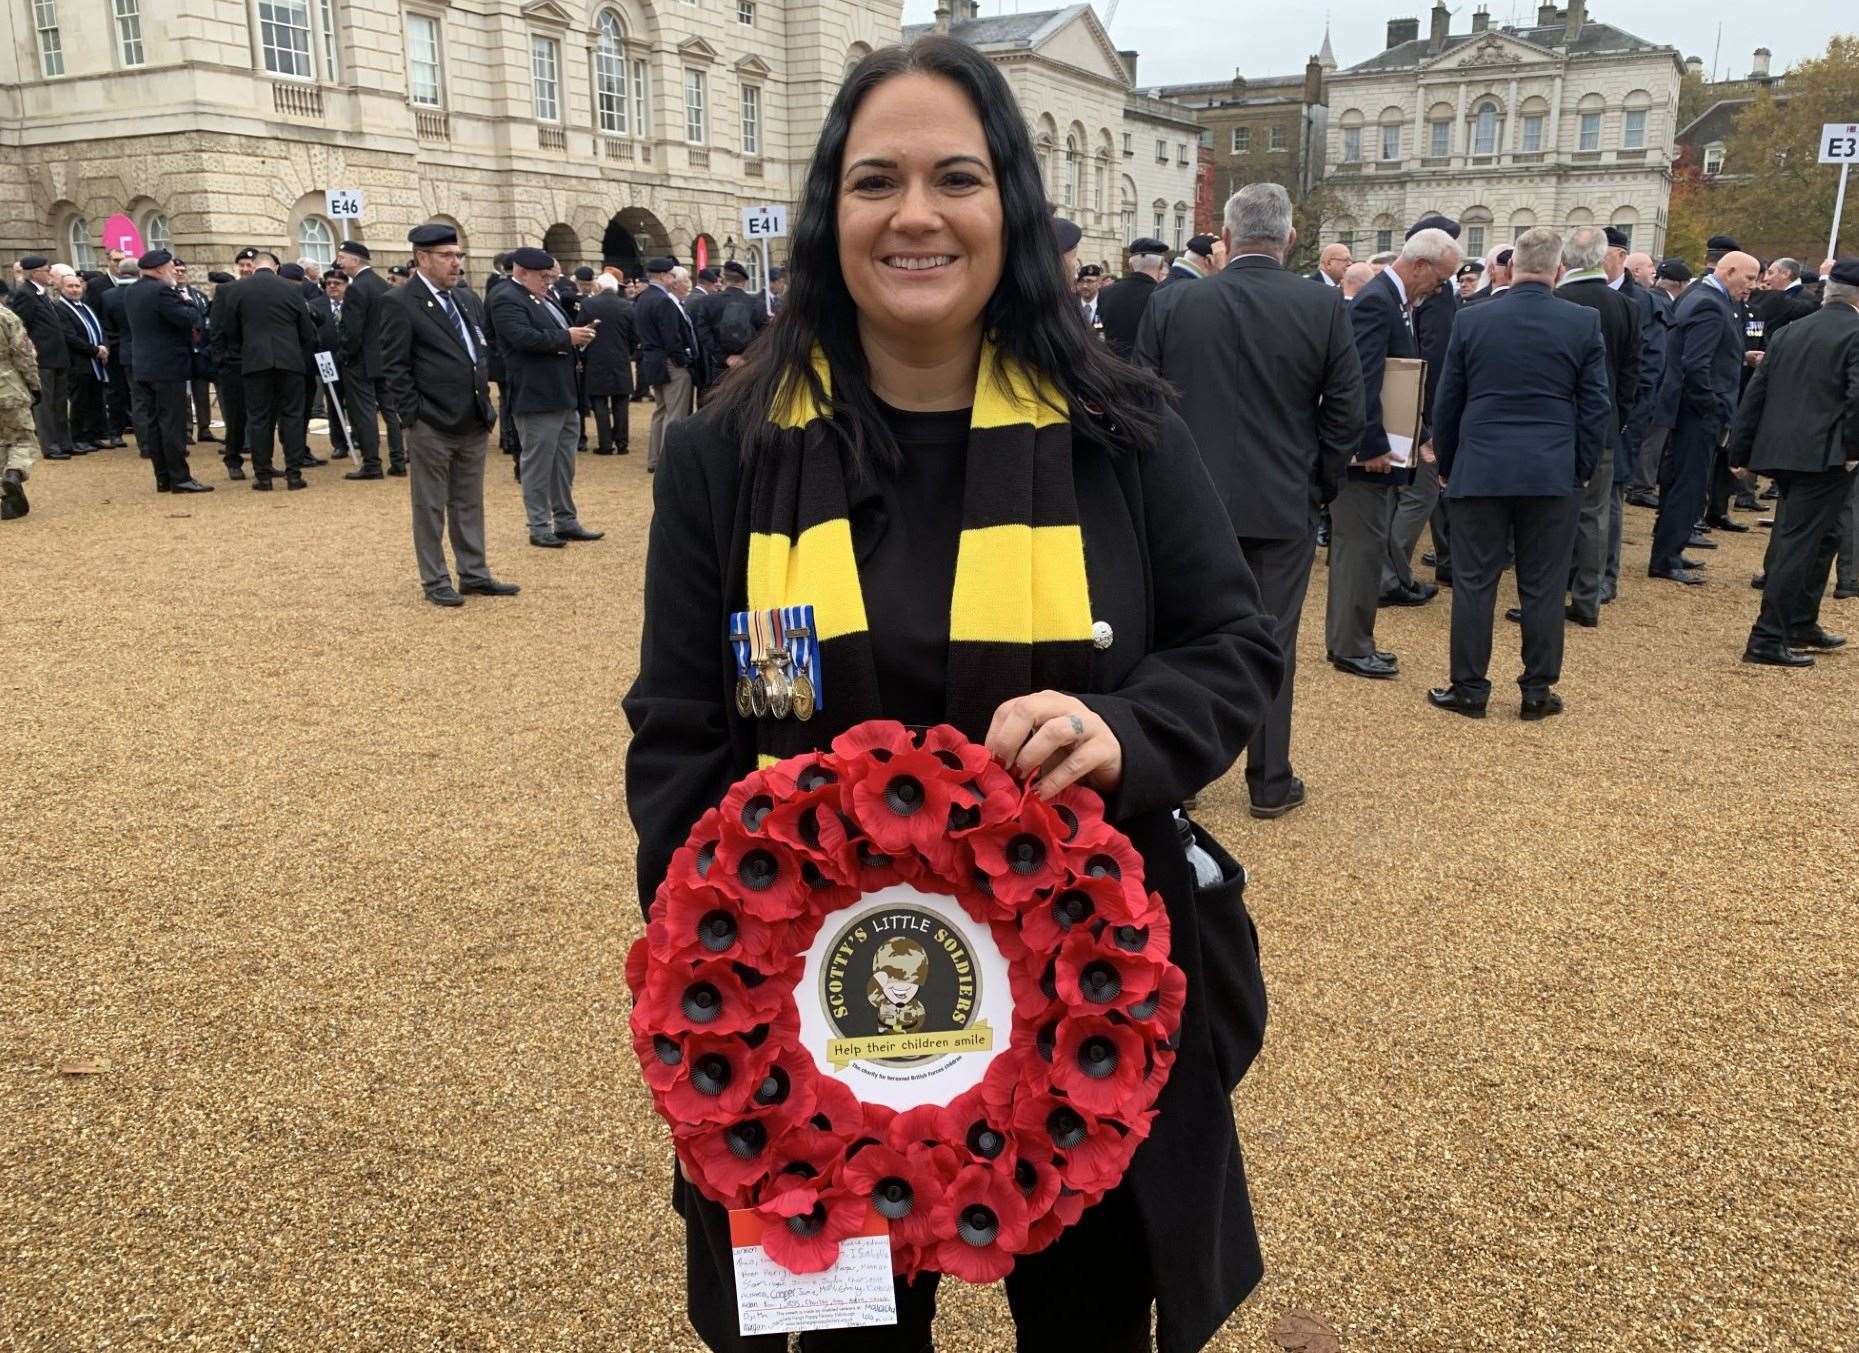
1110,12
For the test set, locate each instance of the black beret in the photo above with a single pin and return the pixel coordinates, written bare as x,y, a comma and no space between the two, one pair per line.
400,270
531,257
1434,221
431,235
354,247
245,253
334,275
1147,245
1722,244
709,275
154,258
1470,268
1202,245
1673,270
735,269
291,272
661,264
777,274
1617,239
1845,272
219,279
1090,270
1501,258
1066,234
33,262
584,274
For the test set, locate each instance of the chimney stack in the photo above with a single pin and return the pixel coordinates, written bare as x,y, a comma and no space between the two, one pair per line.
1313,84
1759,68
1578,15
1402,30
1546,16
1129,64
1481,19
1694,65
943,14
1442,25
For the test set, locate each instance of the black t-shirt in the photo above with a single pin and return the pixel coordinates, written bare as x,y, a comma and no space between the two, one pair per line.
906,551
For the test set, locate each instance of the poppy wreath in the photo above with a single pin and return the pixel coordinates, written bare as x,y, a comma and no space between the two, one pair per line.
1003,1168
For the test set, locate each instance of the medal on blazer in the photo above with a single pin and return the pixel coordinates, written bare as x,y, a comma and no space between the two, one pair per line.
777,656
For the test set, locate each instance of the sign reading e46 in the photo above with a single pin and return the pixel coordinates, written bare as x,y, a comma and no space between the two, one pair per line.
764,223
1839,143
345,204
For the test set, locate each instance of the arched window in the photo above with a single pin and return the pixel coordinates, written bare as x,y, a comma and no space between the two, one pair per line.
1352,136
316,239
1635,109
1485,129
155,233
1043,150
1346,231
1535,114
610,103
83,251
1588,126
1475,222
1099,176
1384,233
1520,221
1580,216
1126,207
1625,220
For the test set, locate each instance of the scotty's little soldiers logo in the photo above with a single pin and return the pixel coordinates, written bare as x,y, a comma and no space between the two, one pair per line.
900,988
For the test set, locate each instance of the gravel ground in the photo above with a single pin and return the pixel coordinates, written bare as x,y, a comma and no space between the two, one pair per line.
338,886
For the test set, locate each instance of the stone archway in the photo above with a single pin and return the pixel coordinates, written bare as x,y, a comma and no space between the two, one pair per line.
564,245
632,236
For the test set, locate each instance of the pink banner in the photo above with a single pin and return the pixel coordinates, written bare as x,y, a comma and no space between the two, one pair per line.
119,232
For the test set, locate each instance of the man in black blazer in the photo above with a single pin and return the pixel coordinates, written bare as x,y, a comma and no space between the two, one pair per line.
434,360
1364,506
607,363
668,355
267,322
34,302
1418,501
1120,305
361,365
226,370
539,344
161,325
83,336
1585,282
113,310
1271,387
727,321
1703,375
1202,256
1799,422
1522,425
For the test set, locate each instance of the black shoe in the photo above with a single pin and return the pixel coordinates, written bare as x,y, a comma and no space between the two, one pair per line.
1760,581
1770,494
443,595
397,471
1677,575
1774,655
1448,698
550,541
364,474
13,502
1746,502
603,450
1845,592
1413,594
115,442
1766,523
189,486
1443,576
578,533
206,437
1430,559
1574,616
310,462
1641,498
296,481
1608,596
58,455
234,472
622,450
1700,541
83,448
164,488
1823,641
1685,561
1541,708
1294,799
1725,524
1514,615
1376,668
488,587
1323,536
261,486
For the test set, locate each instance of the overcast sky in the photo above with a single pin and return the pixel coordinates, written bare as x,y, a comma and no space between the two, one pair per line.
1182,41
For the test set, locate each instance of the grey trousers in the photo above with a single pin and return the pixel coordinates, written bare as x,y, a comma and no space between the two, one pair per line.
670,402
1591,542
1848,578
1646,469
52,414
1414,504
547,468
1359,520
1282,570
1616,522
447,480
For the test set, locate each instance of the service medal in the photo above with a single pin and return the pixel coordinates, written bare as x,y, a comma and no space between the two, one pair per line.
758,697
803,697
780,692
745,697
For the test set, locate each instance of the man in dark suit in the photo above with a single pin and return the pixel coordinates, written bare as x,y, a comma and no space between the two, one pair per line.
83,335
1668,281
539,345
361,365
1120,305
1497,279
1202,256
34,302
113,310
607,364
1417,502
1799,422
1781,302
1634,285
200,387
267,322
226,370
1364,507
727,321
1272,389
668,354
433,358
1703,374
1522,423
328,311
161,325
506,420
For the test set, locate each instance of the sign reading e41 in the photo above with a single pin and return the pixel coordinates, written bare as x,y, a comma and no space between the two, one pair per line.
345,204
764,223
1839,143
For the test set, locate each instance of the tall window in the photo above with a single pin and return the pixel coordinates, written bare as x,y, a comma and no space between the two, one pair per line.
1391,142
1072,197
1384,241
1161,221
1161,152
284,33
545,66
1278,139
1352,145
1439,139
316,239
696,119
1474,241
1181,227
1127,206
1590,132
77,235
424,86
326,13
128,31
751,120
1713,159
1485,130
640,126
1127,137
745,12
1242,140
1102,172
155,232
1181,152
1533,132
610,74
51,46
1633,129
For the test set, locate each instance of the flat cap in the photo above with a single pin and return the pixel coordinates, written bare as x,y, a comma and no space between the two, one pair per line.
1202,245
1434,221
354,247
1090,270
584,274
33,262
1502,258
154,258
1147,245
661,265
1617,239
291,272
1845,272
735,269
219,279
1673,270
709,275
1722,244
431,235
1066,234
244,254
531,257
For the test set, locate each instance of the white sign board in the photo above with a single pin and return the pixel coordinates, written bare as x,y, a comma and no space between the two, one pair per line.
345,204
1839,143
326,367
764,223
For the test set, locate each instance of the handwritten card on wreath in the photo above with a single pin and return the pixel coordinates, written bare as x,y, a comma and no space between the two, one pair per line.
856,1291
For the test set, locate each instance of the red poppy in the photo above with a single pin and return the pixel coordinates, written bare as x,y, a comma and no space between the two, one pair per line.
1093,973
733,1158
803,1226
1019,858
976,1132
843,1114
1088,1152
709,998
716,1077
1159,1014
904,807
1109,854
874,741
903,1186
1066,1209
809,824
760,872
919,1126
1039,1184
692,862
795,775
982,1222
1098,1062
1079,812
1010,1076
703,922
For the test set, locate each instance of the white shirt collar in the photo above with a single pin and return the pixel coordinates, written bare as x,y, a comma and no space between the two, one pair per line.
1327,280
1616,283
1400,287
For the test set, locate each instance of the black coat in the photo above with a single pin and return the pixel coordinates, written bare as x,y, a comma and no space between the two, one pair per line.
1185,681
1433,319
537,352
666,337
608,360
1801,411
161,326
707,314
1381,332
1269,383
361,323
203,337
225,355
431,377
1703,361
76,337
1620,331
492,286
1120,309
1179,272
325,330
36,312
267,322
113,310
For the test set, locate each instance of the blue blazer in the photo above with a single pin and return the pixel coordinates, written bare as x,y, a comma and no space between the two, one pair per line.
1523,403
1382,331
1703,361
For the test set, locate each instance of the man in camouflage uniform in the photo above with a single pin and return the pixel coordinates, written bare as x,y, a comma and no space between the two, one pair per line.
19,391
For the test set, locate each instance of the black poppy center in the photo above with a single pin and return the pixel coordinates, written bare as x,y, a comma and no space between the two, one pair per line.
985,1142
773,1089
799,1169
1101,982
814,776
746,1140
904,795
978,1225
1073,908
1103,867
1097,1058
963,818
871,858
758,871
667,1050
1065,1128
710,1074
1147,1006
1068,817
894,1198
809,1223
1046,1041
702,1003
756,811
1026,1177
716,931
1131,937
1025,854
706,856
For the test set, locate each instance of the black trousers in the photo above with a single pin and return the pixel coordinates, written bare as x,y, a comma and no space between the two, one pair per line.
610,422
1482,531
87,406
51,415
1802,547
202,390
1282,570
119,397
366,407
159,409
232,409
506,421
274,407
1683,473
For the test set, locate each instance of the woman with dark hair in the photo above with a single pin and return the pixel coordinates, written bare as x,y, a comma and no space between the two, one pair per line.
999,526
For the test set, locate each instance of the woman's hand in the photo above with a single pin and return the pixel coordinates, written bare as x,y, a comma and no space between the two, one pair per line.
1060,736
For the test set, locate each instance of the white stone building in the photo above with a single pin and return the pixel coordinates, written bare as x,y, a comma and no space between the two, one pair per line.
1565,122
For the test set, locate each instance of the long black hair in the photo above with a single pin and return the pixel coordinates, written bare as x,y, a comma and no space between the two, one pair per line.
1032,316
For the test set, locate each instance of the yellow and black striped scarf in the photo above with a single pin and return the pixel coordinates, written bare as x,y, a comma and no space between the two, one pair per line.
1020,614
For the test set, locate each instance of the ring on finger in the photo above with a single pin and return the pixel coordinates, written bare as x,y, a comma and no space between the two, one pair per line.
1077,725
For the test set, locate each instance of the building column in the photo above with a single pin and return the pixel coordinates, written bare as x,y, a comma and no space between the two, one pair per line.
1420,123
1555,119
1462,134
1509,139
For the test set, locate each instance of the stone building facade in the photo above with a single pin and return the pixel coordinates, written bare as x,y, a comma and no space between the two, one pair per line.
1564,122
604,129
